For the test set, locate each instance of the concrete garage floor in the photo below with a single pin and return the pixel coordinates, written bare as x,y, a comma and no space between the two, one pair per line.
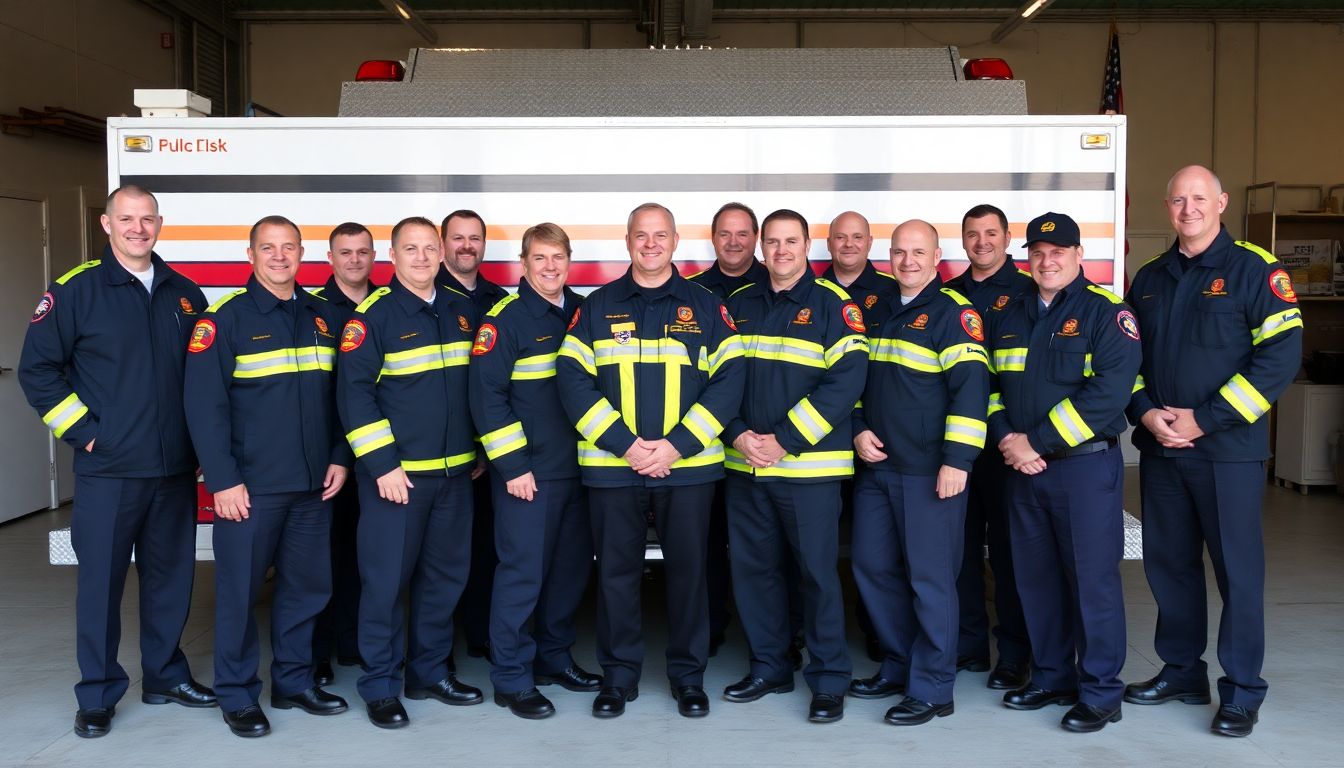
1299,727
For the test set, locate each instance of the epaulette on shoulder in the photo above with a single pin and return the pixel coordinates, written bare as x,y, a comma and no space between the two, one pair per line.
1258,251
833,288
1111,297
739,290
701,286
318,291
1023,272
957,297
454,290
225,299
697,274
373,297
63,279
887,275
1150,261
501,304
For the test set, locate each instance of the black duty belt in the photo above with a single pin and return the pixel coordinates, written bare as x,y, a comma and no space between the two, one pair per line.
1084,449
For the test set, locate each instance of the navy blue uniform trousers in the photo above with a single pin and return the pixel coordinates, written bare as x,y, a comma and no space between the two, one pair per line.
292,532
545,550
157,517
413,559
336,630
1188,503
987,523
906,555
1067,530
619,518
766,523
473,610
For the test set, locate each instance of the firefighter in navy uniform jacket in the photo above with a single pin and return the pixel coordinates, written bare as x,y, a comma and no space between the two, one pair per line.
261,380
650,371
1222,339
806,359
1066,358
102,363
849,243
337,628
919,429
402,393
541,517
990,280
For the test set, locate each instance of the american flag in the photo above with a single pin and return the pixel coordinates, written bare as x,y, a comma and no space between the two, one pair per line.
1112,95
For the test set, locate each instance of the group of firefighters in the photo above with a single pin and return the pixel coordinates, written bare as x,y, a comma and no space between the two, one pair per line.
508,440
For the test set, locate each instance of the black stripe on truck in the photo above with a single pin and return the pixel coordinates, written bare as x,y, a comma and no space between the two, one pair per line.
631,182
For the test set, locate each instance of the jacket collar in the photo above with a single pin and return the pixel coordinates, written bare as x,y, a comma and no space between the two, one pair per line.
331,291
539,306
409,302
116,274
625,286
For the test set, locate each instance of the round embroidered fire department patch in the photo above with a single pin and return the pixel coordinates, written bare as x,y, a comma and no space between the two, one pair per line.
1128,324
44,306
485,339
1282,286
353,335
202,336
185,304
972,324
853,317
321,325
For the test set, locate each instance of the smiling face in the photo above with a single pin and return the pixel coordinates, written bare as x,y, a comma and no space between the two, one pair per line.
546,268
351,259
132,225
1195,204
651,239
849,241
416,255
463,246
275,253
785,246
985,240
914,256
1054,267
734,242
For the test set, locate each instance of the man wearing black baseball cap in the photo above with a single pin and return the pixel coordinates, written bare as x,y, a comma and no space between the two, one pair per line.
1065,357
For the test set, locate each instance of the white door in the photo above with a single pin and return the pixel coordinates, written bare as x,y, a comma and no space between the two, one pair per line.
25,459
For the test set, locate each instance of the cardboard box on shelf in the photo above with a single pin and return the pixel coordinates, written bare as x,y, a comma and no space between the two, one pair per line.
1311,263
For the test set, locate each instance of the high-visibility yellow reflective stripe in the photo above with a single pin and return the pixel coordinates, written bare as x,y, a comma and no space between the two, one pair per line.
1277,323
580,353
1138,384
962,353
434,465
1010,359
847,344
370,437
959,429
728,349
628,412
809,421
995,403
65,414
504,440
288,360
427,358
1087,365
1069,424
535,367
595,422
612,352
701,423
785,350
807,465
906,354
1244,398
671,396
592,456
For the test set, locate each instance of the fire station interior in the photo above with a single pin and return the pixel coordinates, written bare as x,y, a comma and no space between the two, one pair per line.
1250,88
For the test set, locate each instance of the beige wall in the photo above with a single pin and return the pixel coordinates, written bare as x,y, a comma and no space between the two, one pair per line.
83,55
1260,101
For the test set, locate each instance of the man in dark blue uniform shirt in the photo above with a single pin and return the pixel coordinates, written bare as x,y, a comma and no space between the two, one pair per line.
989,282
351,255
103,365
1222,339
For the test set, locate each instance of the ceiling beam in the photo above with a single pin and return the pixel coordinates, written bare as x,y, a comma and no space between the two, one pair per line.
410,18
1029,10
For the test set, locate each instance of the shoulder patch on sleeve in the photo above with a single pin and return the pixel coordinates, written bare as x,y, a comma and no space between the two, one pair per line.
1258,251
501,304
63,279
353,334
1128,324
1111,297
853,317
1282,286
202,336
222,300
962,301
44,306
371,298
486,336
972,324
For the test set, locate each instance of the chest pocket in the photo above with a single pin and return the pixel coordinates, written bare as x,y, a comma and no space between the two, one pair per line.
1067,360
1217,323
